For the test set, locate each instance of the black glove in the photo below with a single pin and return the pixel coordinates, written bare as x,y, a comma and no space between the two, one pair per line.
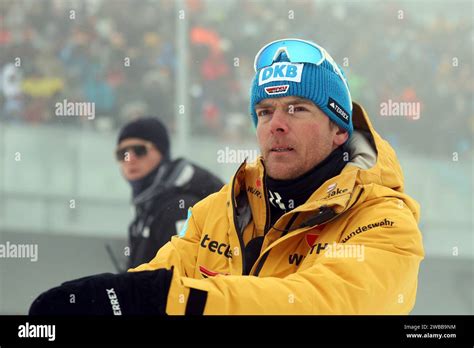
134,293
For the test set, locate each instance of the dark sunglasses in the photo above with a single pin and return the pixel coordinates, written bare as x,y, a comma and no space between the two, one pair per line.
138,150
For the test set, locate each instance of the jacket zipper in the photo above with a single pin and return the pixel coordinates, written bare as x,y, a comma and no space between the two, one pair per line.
267,210
263,259
267,221
239,234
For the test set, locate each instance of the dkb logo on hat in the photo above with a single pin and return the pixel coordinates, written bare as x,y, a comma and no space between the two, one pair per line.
281,72
293,67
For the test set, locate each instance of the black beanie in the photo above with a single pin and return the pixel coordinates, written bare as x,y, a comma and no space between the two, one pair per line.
148,128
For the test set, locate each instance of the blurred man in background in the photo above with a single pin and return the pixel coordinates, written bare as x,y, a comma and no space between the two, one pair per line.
162,189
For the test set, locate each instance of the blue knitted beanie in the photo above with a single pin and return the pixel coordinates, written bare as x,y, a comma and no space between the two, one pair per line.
319,83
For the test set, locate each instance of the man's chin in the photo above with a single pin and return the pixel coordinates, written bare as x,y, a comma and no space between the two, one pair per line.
134,176
281,171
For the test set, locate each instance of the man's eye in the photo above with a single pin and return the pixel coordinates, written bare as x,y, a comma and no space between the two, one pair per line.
299,109
262,112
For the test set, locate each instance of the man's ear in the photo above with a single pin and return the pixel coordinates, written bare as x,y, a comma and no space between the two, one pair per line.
340,137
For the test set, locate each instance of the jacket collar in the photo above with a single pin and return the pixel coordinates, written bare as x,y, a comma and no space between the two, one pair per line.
169,175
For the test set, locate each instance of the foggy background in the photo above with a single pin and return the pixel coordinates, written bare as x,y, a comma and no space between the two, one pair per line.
191,63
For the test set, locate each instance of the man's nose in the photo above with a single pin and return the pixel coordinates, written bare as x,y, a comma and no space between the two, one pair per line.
279,121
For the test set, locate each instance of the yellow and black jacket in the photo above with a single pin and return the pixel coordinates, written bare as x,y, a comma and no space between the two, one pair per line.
354,247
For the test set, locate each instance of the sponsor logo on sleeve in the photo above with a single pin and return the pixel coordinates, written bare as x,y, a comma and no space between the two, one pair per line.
216,247
360,229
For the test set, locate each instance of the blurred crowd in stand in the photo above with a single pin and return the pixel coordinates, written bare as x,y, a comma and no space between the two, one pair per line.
121,55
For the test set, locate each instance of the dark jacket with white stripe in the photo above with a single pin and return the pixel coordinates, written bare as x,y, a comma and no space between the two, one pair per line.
161,209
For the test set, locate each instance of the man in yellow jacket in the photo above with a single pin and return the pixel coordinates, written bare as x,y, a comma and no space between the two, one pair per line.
319,224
